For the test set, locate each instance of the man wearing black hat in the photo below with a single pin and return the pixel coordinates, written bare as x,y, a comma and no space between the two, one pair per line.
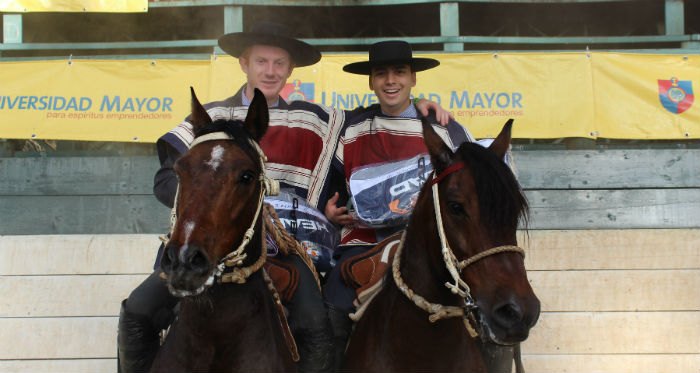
387,132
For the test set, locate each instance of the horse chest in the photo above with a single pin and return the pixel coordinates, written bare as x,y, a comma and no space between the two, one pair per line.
396,336
227,332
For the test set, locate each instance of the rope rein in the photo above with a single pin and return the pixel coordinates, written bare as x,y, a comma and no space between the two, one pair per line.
436,311
287,244
454,267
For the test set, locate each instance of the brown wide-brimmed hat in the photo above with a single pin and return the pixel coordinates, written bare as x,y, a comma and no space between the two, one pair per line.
270,33
391,52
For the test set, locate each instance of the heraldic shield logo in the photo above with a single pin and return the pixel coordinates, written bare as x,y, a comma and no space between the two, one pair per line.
676,95
298,91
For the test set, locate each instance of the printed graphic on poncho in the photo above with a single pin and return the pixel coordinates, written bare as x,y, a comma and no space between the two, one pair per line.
676,95
384,194
309,226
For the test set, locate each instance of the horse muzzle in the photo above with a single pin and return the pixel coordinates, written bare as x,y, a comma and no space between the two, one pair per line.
509,321
188,268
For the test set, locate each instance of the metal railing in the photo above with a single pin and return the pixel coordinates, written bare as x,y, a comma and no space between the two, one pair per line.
449,40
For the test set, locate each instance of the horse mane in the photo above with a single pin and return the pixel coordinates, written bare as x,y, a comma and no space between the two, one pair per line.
235,129
502,203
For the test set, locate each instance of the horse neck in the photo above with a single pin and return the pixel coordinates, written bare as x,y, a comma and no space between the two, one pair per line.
422,258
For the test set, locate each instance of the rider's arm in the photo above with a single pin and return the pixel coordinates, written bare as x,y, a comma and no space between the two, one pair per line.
443,116
336,210
165,180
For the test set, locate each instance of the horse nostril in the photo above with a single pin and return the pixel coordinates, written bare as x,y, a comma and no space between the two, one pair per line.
197,261
509,314
167,262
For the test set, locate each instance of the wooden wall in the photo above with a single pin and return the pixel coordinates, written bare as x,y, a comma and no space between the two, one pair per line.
567,189
613,254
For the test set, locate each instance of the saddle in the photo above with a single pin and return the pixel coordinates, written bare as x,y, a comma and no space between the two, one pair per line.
365,272
284,276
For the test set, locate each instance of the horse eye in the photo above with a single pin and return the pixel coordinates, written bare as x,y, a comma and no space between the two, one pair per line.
247,177
456,209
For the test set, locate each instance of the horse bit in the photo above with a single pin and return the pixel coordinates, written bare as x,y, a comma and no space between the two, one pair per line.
460,287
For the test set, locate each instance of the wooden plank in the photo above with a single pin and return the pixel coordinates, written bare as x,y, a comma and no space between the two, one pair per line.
60,296
541,169
59,366
546,250
58,338
615,333
628,290
83,214
613,363
556,333
78,254
579,291
650,363
614,209
611,249
608,169
550,209
41,176
550,169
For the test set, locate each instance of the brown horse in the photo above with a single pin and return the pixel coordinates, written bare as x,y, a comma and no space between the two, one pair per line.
228,320
459,271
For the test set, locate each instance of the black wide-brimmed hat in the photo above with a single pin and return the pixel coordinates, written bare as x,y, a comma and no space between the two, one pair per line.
270,33
391,52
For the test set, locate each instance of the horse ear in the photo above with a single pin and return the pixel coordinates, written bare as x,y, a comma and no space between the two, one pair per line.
258,117
440,153
199,117
502,142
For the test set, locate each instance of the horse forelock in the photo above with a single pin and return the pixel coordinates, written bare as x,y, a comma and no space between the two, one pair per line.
502,203
235,129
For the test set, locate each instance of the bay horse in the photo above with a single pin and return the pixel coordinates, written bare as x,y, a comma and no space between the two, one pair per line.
228,319
457,274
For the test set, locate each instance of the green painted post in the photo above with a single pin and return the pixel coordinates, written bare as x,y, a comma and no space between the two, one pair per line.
674,17
675,23
233,19
449,25
12,28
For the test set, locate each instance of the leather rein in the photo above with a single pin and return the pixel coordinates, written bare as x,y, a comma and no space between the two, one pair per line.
454,267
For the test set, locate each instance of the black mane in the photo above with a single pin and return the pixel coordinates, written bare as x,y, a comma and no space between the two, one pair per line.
502,203
235,129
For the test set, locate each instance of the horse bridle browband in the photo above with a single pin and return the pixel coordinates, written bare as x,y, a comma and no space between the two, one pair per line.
268,187
460,287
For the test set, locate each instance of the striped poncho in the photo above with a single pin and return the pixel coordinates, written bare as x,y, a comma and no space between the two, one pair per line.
299,144
371,138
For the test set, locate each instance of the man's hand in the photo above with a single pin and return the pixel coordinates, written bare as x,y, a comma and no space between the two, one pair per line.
338,215
443,116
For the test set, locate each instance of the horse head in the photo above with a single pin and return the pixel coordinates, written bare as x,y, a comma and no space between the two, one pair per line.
480,206
220,178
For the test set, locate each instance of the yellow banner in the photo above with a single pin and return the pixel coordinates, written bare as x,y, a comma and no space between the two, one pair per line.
106,6
609,95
